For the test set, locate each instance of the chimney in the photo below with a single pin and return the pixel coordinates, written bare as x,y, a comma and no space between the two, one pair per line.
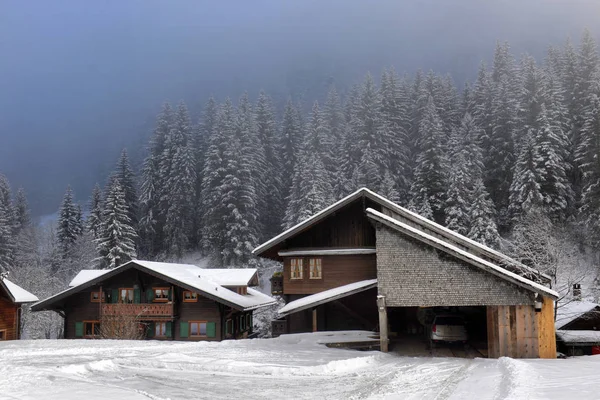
577,291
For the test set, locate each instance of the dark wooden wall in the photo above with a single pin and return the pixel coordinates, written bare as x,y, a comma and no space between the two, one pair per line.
202,310
9,318
335,270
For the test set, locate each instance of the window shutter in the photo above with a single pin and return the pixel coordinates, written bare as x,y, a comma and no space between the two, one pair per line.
114,297
169,329
211,329
150,295
137,296
151,330
251,321
170,295
78,329
184,329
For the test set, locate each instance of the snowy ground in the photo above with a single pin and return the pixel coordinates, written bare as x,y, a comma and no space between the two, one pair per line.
290,367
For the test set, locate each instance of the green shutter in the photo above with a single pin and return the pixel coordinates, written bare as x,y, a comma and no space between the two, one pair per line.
149,295
137,296
211,329
78,329
114,297
184,329
150,330
169,329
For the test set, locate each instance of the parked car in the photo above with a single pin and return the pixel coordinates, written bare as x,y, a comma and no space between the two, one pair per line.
448,328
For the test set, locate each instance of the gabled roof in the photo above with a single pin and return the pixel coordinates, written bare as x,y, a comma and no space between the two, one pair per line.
569,312
188,276
17,293
579,338
460,253
326,296
86,275
447,234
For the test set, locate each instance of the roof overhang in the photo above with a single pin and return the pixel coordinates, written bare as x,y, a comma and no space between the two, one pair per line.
326,296
461,254
49,303
8,287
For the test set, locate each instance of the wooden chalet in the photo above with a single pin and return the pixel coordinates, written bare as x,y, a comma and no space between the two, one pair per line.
367,263
12,297
164,301
578,328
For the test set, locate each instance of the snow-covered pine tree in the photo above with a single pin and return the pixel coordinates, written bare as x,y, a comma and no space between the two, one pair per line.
94,219
116,244
483,229
588,159
68,224
533,96
525,190
124,173
388,189
458,195
152,210
290,142
483,102
180,186
7,224
429,178
334,120
22,214
269,199
213,176
311,190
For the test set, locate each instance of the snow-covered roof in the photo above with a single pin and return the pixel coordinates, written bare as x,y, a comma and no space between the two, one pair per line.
326,296
87,275
230,277
413,217
460,253
579,337
188,276
569,312
17,293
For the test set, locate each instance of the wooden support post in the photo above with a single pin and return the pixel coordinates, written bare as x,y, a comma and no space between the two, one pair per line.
314,316
383,323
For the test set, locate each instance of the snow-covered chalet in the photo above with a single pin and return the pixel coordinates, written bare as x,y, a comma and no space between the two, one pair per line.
12,297
367,263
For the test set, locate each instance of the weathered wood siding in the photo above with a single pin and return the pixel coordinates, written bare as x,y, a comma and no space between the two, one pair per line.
335,270
520,332
9,319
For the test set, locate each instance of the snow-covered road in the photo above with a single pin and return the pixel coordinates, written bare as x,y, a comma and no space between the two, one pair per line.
290,367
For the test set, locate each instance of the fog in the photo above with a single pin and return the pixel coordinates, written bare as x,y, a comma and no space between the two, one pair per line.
79,80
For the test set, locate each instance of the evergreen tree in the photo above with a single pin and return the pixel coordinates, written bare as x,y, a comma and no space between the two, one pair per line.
525,190
7,225
94,220
116,244
22,214
429,180
458,195
481,216
291,139
126,177
68,225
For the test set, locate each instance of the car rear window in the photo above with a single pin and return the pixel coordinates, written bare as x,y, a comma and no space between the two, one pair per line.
449,321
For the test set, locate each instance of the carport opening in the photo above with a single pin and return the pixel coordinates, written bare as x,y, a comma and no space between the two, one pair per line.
410,331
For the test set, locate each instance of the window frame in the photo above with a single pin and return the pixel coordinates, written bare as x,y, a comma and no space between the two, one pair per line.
191,299
191,335
160,299
121,295
95,323
92,300
318,262
248,321
299,263
156,325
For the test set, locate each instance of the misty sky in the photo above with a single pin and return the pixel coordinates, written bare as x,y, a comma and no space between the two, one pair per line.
81,79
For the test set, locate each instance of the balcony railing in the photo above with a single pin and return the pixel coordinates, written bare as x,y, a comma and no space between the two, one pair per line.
138,310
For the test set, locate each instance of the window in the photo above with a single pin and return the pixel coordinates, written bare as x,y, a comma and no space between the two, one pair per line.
91,328
315,268
126,295
3,334
160,329
296,268
197,328
161,294
95,297
190,297
249,321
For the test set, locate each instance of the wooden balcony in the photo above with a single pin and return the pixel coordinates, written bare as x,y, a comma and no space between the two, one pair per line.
141,311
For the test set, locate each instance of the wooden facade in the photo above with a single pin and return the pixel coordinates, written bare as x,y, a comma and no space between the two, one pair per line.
9,319
181,314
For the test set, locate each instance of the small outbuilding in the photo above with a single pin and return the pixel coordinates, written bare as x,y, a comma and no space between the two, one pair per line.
578,328
12,297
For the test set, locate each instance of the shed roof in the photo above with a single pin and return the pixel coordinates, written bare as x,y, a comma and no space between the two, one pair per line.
426,224
569,312
581,338
326,296
461,254
188,276
17,293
